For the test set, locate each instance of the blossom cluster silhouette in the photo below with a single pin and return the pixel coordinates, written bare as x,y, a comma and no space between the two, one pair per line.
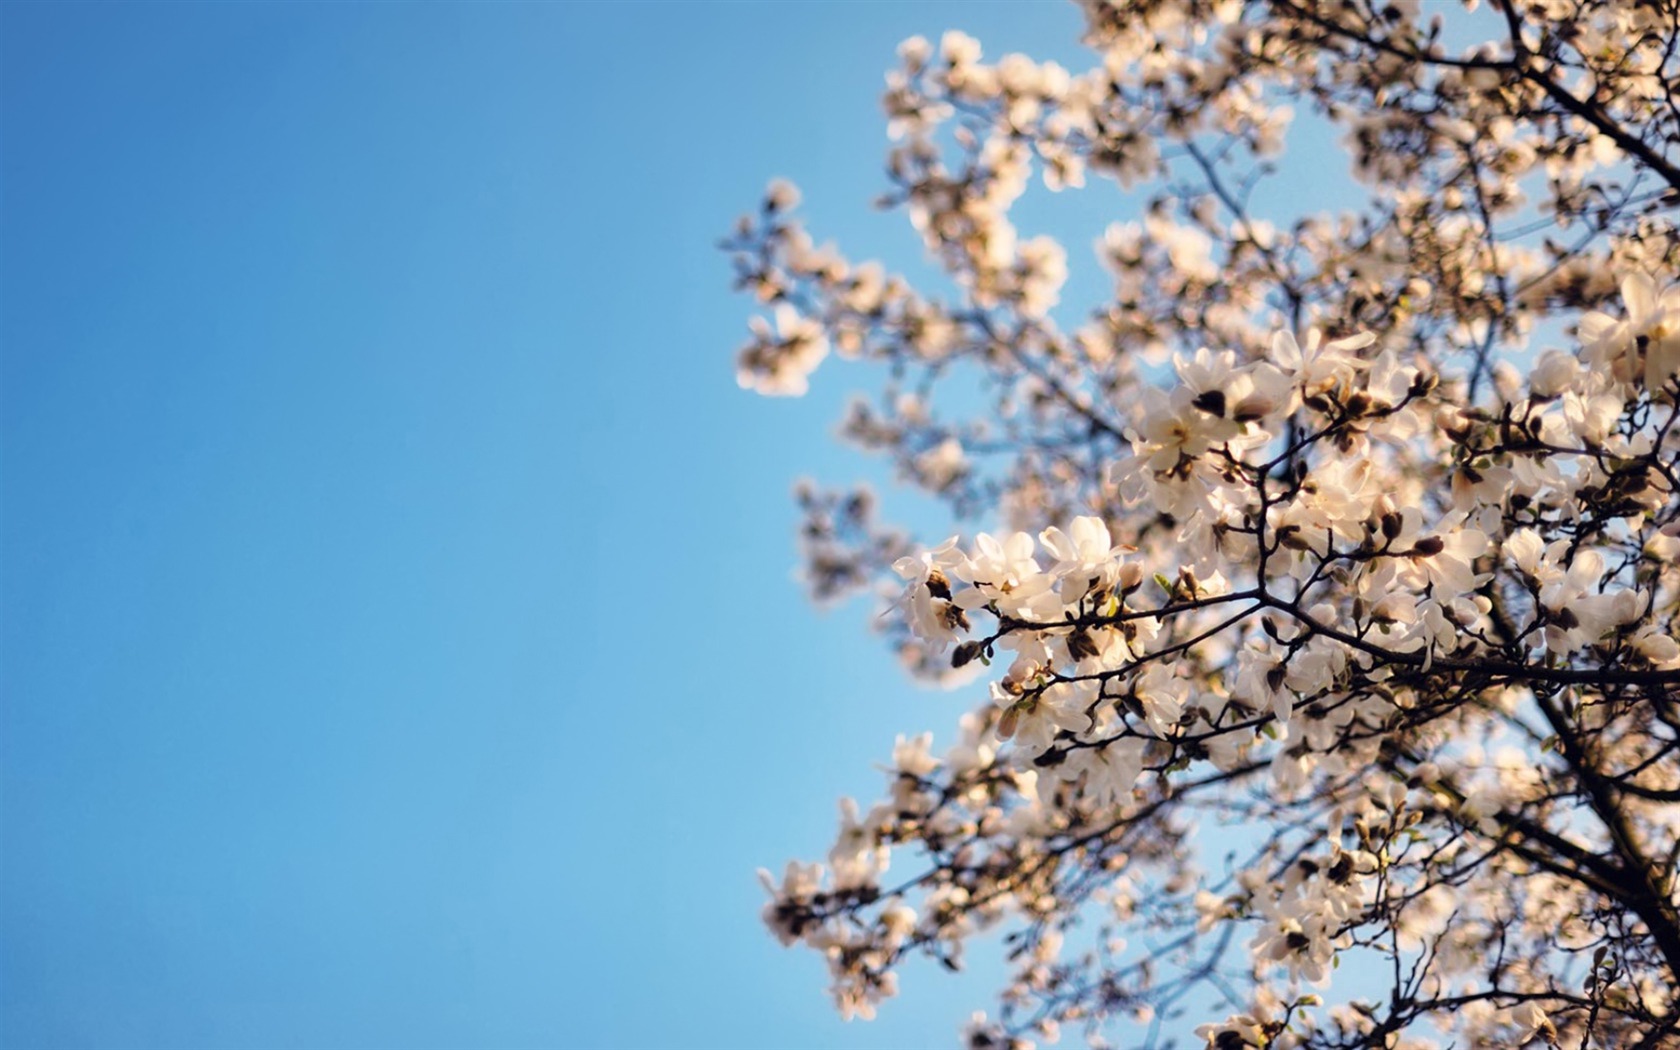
1324,599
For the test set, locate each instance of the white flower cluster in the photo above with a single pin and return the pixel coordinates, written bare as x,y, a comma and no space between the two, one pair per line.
1355,634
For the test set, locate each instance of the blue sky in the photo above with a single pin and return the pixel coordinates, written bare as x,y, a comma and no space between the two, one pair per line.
398,638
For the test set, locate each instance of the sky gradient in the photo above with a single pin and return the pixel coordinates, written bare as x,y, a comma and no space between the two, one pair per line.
398,637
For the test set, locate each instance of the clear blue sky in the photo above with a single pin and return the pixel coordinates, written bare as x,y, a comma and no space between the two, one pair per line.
398,640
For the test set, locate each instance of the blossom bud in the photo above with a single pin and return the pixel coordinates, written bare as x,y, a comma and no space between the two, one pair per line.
1131,576
1429,546
964,654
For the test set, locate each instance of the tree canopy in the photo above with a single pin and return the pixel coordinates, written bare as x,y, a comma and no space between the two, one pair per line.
1326,607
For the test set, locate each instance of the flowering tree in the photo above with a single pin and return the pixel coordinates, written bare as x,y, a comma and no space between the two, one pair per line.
1329,610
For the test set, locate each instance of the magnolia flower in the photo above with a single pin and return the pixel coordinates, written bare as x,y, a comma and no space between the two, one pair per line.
1035,720
1591,417
1448,558
1189,250
942,464
1319,366
958,48
779,363
1085,556
858,856
1168,429
912,755
975,747
1240,396
1647,342
1531,1021
980,1034
915,52
1007,573
1042,266
1299,940
782,195
783,914
1160,696
1111,772
1235,1033
927,594
1556,372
